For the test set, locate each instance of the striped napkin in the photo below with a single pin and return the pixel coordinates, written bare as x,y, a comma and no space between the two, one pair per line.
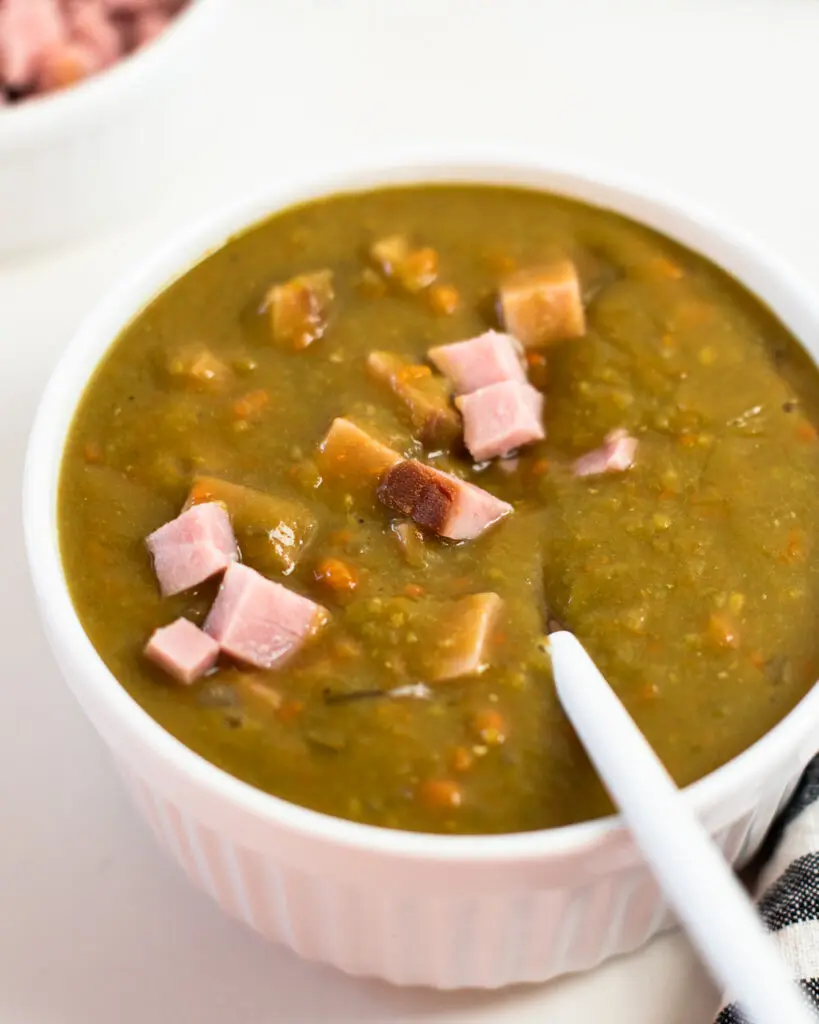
788,890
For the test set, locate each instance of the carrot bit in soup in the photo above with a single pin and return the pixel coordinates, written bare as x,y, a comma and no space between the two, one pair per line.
757,659
92,452
440,794
251,405
337,575
795,547
290,710
723,630
491,727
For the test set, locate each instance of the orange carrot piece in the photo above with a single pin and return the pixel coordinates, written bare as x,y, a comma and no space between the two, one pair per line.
290,710
337,575
491,727
723,630
440,794
251,405
92,452
757,659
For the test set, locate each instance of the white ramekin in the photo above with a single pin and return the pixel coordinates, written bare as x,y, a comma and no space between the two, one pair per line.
87,155
444,911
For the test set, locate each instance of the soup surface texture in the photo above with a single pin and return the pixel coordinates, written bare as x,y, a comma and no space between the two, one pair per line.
691,576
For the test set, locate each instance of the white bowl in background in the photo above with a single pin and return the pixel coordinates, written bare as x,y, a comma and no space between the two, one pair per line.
73,159
443,911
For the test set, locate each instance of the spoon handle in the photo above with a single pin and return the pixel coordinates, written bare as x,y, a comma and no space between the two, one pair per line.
709,901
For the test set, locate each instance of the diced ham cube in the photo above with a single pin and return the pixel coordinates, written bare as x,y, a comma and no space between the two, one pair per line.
491,358
259,622
413,269
500,418
90,25
182,650
424,395
615,455
440,502
190,549
28,30
299,308
348,454
197,367
543,304
466,627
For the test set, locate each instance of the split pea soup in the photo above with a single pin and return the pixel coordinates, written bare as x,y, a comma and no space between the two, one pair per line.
369,543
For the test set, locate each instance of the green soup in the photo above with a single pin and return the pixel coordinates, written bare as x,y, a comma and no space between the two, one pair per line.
690,577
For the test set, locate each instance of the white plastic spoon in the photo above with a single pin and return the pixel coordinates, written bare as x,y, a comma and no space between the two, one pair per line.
709,901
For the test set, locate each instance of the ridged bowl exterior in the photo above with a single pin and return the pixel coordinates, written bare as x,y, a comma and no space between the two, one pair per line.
477,940
443,911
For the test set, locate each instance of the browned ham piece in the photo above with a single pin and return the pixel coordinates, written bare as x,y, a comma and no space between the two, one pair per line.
439,502
541,305
423,394
299,308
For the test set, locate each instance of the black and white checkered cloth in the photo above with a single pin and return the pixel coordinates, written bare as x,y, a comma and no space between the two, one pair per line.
788,889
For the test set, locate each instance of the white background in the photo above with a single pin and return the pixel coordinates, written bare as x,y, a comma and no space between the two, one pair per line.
714,97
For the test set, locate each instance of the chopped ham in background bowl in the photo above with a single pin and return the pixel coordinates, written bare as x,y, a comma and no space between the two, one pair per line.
52,44
91,93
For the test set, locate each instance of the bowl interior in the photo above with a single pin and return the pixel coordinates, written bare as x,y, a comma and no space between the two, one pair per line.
122,721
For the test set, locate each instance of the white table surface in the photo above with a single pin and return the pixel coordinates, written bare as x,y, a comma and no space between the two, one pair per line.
714,97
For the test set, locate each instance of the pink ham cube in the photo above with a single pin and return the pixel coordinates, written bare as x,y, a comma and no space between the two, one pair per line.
615,455
28,30
193,547
182,650
488,359
501,418
259,622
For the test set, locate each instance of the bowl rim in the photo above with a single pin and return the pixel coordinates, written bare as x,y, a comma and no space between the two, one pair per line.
615,190
58,113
